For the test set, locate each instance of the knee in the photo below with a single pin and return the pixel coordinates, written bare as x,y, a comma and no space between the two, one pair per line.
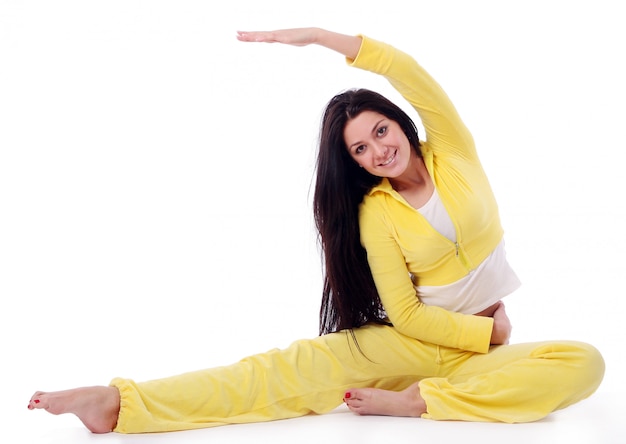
586,363
593,362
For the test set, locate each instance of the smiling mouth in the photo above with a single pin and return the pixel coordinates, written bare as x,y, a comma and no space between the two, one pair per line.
391,159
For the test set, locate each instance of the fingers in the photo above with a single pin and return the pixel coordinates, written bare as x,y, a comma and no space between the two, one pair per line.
294,36
263,36
246,36
501,310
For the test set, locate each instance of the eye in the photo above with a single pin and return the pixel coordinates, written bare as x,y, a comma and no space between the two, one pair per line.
359,149
381,131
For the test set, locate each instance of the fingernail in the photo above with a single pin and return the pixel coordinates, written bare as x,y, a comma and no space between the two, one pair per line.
36,401
347,395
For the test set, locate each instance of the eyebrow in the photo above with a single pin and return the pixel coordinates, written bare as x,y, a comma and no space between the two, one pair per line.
373,130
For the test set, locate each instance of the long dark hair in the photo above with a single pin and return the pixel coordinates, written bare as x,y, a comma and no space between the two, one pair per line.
349,297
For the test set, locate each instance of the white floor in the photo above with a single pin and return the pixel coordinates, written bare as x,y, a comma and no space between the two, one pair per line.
597,420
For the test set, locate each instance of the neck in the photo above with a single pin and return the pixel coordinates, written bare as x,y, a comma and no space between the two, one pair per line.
414,178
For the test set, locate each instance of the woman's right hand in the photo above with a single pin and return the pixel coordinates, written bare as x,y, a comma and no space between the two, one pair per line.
344,44
295,36
501,332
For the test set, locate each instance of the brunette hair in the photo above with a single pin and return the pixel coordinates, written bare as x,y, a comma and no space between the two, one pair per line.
349,297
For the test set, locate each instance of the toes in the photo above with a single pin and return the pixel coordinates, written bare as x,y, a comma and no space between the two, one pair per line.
37,395
356,406
34,404
354,401
354,394
352,406
35,401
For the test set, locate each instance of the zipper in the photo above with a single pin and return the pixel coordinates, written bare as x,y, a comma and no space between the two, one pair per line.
457,246
461,256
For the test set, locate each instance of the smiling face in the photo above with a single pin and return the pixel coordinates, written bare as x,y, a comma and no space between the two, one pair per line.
378,144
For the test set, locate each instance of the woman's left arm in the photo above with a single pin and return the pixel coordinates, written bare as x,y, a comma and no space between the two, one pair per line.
406,312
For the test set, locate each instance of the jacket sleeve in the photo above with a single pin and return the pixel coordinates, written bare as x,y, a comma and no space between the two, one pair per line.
399,297
447,135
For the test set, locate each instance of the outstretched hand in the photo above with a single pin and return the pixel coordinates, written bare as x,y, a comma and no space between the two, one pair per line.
344,44
295,36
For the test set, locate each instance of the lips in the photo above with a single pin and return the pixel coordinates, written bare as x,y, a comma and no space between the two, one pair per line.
391,159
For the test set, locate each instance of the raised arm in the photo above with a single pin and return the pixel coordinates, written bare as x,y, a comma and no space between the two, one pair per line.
344,44
447,134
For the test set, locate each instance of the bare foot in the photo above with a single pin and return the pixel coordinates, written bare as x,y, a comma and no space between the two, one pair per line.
369,401
97,407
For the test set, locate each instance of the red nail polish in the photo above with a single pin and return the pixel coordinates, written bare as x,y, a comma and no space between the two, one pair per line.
348,395
36,401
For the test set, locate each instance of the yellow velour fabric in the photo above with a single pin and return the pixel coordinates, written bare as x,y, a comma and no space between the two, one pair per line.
514,383
399,240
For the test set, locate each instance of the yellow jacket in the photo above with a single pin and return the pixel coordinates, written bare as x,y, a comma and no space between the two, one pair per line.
400,243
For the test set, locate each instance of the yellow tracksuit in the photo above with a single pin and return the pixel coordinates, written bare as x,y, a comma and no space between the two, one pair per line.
461,376
510,383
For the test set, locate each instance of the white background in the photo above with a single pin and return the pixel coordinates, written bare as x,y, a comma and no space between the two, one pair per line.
156,174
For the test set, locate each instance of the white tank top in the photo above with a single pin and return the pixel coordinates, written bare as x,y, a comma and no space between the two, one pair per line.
491,281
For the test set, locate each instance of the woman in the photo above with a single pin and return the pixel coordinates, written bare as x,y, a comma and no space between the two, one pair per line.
412,322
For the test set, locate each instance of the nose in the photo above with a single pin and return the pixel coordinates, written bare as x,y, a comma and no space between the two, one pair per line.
381,151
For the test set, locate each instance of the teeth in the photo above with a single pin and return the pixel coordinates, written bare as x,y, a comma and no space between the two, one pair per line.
389,160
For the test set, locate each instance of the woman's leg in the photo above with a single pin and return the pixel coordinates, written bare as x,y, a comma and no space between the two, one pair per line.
512,383
310,376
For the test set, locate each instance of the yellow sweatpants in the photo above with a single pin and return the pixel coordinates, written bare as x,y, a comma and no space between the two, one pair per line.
511,383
